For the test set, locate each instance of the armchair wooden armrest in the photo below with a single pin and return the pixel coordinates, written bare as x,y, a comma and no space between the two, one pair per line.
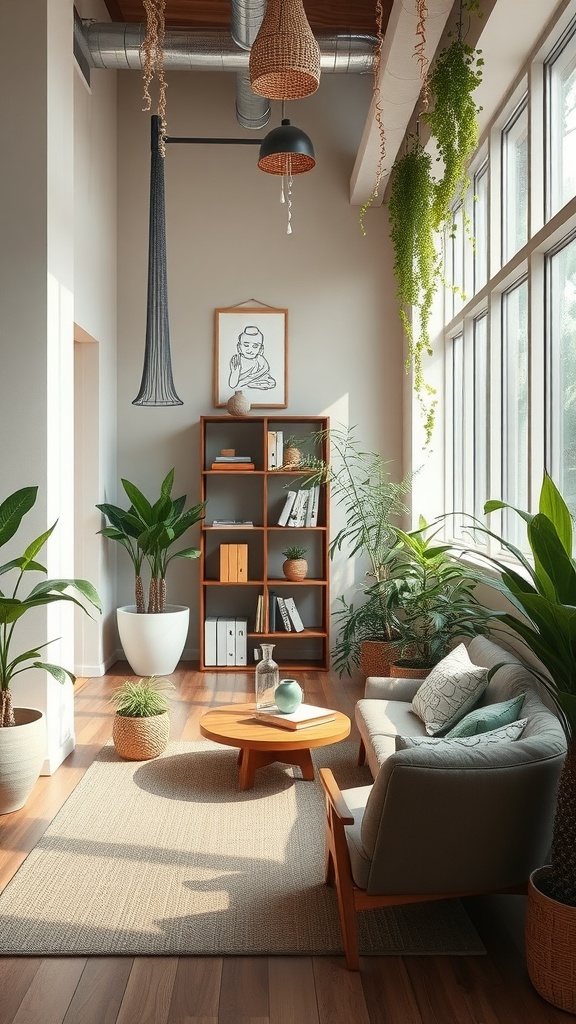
334,797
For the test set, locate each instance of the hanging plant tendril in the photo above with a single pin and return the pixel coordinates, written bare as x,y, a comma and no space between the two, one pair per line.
377,116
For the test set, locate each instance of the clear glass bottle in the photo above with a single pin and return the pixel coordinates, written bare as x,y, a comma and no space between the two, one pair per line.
267,678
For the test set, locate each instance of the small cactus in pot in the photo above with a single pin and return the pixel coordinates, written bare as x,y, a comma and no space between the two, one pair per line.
295,568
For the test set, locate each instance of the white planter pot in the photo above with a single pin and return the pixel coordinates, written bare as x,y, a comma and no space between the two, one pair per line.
22,752
153,644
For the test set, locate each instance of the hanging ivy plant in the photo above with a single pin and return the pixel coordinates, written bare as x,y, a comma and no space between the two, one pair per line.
453,122
416,262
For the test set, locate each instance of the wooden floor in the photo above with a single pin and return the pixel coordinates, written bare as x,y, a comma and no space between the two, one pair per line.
492,989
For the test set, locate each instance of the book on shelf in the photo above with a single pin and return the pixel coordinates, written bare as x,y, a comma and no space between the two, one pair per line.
259,620
284,614
272,611
241,646
221,640
279,449
210,640
237,467
231,524
285,513
305,716
302,508
230,642
312,509
295,510
233,458
271,449
294,614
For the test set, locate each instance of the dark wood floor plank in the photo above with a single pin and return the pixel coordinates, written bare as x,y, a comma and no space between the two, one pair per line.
16,976
149,991
50,992
244,991
196,992
100,991
387,990
339,992
292,990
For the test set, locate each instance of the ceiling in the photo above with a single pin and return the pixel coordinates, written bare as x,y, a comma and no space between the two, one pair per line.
323,15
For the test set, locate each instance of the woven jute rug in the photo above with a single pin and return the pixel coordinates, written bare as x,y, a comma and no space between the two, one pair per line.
167,857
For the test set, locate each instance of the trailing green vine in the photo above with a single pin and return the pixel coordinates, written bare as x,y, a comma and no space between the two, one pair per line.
416,262
419,206
453,122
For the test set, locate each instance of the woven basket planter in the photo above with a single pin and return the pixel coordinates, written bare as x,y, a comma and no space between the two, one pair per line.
295,569
376,656
409,672
140,739
550,938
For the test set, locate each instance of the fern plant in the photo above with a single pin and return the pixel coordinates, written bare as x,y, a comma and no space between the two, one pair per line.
147,697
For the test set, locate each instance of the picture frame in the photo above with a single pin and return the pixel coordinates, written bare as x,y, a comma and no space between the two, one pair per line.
251,355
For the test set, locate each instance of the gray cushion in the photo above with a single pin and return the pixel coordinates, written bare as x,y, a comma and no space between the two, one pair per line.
488,717
453,687
510,731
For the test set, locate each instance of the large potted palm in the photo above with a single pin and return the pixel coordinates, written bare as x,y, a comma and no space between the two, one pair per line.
152,632
22,730
542,593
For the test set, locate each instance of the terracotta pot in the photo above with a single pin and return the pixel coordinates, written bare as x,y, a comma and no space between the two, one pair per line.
550,942
295,569
409,672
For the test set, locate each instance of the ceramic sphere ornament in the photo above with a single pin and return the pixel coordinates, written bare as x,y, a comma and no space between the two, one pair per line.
288,695
238,404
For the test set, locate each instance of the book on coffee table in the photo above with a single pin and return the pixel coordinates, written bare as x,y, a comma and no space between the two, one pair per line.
305,715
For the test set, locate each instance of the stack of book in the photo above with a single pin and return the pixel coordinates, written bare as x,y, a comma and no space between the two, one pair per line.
233,462
289,615
303,717
301,507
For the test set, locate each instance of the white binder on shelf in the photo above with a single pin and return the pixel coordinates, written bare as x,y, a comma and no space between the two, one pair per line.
240,641
230,642
210,640
221,642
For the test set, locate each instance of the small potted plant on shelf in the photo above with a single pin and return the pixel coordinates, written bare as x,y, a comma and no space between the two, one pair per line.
292,452
141,725
152,635
22,730
295,568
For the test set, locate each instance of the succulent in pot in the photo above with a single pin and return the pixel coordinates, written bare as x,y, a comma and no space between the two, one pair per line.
295,566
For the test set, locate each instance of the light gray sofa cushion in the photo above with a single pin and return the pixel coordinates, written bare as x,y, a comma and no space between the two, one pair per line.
504,733
449,691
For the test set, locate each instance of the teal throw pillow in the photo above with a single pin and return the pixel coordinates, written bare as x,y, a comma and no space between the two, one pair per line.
489,717
443,744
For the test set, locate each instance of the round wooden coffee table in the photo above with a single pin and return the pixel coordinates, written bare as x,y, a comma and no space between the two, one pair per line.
261,744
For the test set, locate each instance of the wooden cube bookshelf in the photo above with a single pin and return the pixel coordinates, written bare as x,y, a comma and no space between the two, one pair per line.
240,497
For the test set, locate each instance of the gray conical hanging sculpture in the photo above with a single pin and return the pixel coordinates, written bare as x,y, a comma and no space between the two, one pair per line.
157,385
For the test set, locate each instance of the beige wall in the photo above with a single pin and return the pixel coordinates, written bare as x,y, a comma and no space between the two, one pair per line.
227,242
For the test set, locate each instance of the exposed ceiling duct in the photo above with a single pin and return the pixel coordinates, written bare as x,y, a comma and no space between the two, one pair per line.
117,46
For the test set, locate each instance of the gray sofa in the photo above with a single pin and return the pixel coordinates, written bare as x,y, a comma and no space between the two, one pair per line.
443,820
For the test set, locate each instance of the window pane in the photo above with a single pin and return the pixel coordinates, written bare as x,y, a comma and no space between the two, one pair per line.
561,135
515,182
562,369
515,407
481,393
458,240
457,422
480,221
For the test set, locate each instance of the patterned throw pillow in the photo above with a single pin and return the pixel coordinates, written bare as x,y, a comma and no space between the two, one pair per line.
505,732
487,718
452,688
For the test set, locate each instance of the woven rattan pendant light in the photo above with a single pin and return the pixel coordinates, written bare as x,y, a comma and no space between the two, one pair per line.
285,57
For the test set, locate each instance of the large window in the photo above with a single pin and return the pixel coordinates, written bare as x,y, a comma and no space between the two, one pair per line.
510,345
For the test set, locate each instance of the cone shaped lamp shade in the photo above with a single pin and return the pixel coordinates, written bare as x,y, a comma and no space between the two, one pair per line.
285,57
286,150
